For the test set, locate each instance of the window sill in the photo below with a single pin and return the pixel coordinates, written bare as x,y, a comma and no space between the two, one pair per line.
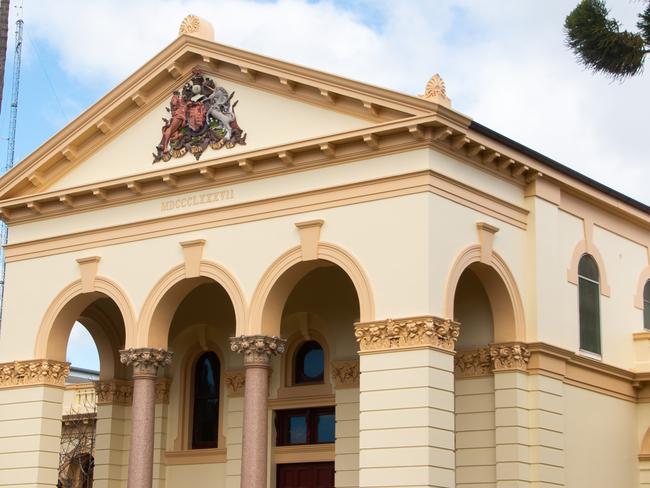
195,456
590,355
304,453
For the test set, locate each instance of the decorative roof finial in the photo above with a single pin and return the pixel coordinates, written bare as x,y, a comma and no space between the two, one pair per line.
197,27
436,91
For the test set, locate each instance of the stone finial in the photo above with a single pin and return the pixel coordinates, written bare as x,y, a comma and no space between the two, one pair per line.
436,92
193,25
257,349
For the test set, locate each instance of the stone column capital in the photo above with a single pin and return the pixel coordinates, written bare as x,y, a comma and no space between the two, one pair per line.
145,360
510,356
257,349
34,372
411,332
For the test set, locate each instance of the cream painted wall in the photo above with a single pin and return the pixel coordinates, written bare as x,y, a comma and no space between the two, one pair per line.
400,282
452,229
624,261
600,440
195,475
562,330
558,309
268,119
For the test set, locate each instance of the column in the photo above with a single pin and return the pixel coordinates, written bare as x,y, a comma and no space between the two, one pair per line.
145,362
31,398
512,414
257,351
407,402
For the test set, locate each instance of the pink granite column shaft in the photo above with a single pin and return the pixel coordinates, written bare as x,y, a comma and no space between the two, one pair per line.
145,363
257,351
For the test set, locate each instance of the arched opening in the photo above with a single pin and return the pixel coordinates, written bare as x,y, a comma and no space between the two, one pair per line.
317,305
88,331
486,312
198,318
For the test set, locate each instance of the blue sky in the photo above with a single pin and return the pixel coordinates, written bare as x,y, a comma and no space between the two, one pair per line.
505,65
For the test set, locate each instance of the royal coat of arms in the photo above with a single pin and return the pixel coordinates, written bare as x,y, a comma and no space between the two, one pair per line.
201,114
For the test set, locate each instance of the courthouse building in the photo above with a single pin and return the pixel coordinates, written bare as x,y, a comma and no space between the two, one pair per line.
298,280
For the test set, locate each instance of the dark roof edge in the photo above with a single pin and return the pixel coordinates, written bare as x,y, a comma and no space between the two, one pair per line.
75,369
558,166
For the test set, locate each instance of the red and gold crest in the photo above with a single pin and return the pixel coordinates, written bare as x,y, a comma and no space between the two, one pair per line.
201,115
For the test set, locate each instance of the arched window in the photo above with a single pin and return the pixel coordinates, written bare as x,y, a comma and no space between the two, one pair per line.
589,298
205,411
309,366
646,305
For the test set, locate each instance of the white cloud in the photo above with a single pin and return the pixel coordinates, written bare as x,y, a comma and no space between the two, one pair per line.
506,66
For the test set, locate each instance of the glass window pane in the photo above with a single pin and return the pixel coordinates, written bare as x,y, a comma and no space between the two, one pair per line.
297,429
205,415
206,420
313,364
646,291
588,268
589,295
646,315
309,363
325,428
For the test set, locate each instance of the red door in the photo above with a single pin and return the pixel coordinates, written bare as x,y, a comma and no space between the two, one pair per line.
306,475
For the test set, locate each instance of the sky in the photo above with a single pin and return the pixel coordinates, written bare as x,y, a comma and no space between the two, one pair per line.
505,64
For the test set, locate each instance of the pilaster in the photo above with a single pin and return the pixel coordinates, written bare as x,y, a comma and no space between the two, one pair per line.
114,399
346,447
235,383
406,409
31,398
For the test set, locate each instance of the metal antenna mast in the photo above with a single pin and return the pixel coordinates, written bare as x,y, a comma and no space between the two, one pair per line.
12,139
14,92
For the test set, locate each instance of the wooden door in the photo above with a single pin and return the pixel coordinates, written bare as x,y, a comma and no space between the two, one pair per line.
306,475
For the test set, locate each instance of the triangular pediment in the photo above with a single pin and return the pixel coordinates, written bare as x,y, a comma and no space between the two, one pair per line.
279,103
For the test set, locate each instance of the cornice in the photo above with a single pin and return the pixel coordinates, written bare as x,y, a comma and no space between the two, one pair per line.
431,131
425,181
171,67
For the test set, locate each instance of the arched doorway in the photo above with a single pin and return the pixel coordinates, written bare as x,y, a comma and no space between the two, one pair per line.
314,404
194,318
89,330
485,308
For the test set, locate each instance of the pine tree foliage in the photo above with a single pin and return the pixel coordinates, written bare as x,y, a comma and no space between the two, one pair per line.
601,45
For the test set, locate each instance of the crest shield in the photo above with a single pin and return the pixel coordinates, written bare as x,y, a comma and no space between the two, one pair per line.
196,116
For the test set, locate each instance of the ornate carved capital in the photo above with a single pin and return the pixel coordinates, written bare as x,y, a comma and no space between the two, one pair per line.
508,356
145,360
257,349
495,357
346,373
33,372
114,392
409,332
235,382
473,363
